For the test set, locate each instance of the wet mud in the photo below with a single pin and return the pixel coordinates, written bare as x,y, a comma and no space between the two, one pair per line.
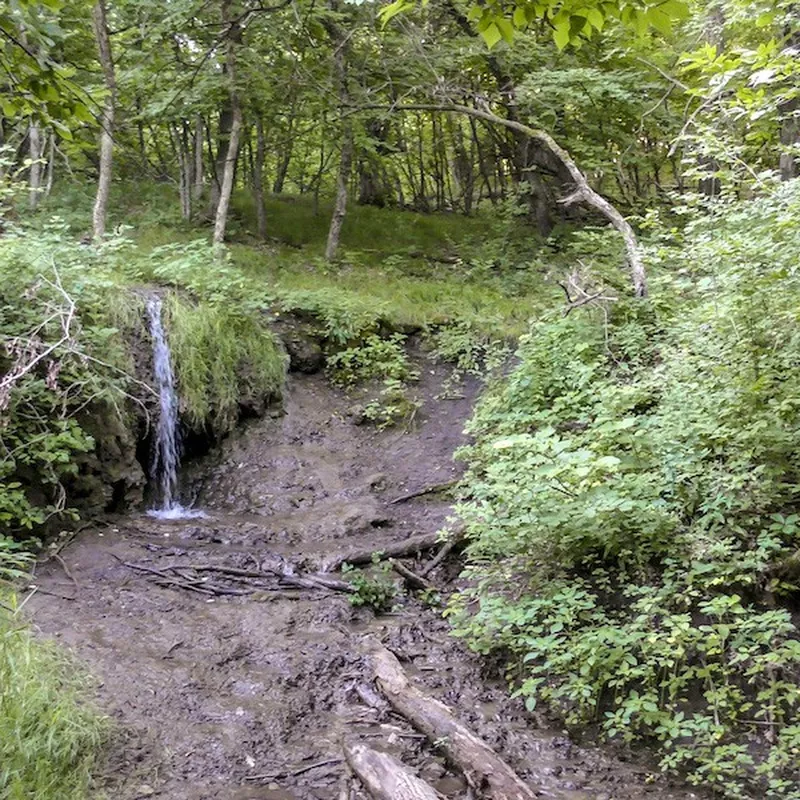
242,697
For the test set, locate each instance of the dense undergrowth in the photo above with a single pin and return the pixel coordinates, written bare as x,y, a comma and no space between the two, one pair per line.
633,509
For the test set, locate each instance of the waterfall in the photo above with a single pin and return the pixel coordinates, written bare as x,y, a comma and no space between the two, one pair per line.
167,447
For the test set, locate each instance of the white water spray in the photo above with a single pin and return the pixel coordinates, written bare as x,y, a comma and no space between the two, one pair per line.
167,450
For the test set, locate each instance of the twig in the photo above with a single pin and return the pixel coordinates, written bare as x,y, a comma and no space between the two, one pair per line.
435,489
441,555
411,578
293,773
51,594
64,566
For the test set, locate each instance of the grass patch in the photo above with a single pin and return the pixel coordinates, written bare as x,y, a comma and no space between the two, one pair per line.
222,359
50,737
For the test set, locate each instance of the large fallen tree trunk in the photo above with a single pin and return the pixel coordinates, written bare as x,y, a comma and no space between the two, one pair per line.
384,777
484,770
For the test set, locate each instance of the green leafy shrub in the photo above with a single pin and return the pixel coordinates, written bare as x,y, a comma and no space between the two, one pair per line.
373,589
633,509
374,358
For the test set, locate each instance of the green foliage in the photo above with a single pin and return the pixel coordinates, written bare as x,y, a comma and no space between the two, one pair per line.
392,406
375,358
471,351
633,510
374,588
62,355
384,360
50,737
14,557
572,23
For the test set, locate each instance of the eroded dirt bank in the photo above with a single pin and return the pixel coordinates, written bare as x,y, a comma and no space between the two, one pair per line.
235,697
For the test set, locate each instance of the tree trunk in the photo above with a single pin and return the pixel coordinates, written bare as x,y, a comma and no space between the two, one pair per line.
198,178
232,149
106,120
710,184
258,178
51,163
223,145
340,207
35,151
185,167
790,127
283,165
339,43
384,777
484,770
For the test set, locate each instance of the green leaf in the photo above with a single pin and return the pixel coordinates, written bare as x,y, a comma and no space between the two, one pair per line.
561,34
596,18
491,35
506,29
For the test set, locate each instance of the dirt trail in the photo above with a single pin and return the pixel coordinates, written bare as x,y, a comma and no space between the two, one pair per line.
248,697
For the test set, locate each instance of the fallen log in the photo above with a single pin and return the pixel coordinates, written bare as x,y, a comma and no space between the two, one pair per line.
484,770
384,777
408,547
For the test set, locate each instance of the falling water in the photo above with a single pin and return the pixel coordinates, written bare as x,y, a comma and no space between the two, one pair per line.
167,450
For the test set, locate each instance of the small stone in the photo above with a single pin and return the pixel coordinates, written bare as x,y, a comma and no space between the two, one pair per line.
145,791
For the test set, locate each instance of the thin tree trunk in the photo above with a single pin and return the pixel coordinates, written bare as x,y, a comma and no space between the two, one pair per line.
185,166
229,173
258,178
198,178
35,151
790,127
283,164
223,146
106,120
339,42
340,207
51,163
